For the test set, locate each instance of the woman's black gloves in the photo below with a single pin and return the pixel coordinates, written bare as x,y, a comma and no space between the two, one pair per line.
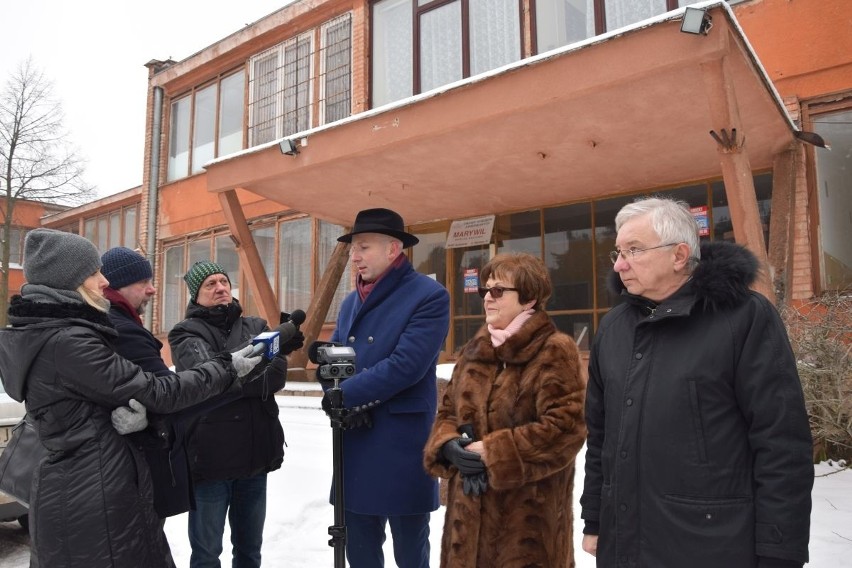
467,462
470,465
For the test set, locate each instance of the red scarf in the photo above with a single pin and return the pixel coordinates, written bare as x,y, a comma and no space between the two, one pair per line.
116,299
364,288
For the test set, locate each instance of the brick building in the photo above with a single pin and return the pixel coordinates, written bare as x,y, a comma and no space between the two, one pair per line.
535,120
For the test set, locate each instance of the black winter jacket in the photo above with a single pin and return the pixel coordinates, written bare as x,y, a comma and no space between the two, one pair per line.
243,438
92,502
163,442
699,448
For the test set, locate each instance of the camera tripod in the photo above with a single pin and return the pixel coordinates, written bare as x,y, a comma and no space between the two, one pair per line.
338,529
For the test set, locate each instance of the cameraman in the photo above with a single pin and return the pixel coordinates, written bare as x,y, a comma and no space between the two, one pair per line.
396,320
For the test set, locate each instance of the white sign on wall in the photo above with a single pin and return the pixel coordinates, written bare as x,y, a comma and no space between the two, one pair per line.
470,232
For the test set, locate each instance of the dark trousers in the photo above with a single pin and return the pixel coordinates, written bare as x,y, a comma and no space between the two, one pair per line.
243,502
365,535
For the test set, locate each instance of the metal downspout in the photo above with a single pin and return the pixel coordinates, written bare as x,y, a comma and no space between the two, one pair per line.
153,182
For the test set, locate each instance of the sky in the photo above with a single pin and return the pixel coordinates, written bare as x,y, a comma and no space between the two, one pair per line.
298,514
94,52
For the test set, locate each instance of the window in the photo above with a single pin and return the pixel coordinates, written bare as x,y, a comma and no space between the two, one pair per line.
620,13
834,193
393,51
206,124
336,69
326,244
418,45
16,245
574,242
292,258
113,229
443,41
560,22
283,82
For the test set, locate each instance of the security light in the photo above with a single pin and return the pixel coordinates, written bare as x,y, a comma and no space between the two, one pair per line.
696,21
288,147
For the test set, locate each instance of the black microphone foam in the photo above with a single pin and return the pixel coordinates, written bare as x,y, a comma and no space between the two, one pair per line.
285,333
289,328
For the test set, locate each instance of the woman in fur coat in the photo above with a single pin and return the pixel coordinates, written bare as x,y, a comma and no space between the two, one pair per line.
509,428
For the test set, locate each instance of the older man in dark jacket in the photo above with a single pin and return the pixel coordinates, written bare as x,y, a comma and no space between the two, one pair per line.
699,448
396,321
233,447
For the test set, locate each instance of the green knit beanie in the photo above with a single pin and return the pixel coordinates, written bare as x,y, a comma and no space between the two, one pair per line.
198,273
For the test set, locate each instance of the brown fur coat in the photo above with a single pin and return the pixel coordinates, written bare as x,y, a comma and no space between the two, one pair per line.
525,402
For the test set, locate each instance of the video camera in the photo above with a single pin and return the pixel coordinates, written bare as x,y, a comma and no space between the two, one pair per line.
335,361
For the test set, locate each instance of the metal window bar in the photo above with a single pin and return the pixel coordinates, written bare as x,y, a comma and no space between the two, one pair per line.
282,82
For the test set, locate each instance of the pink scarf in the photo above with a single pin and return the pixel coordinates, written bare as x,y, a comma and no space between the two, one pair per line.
499,336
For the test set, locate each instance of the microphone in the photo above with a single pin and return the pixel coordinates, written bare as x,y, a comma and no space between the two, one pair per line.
269,343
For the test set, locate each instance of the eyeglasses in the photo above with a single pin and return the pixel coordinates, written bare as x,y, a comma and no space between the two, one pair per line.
496,291
633,251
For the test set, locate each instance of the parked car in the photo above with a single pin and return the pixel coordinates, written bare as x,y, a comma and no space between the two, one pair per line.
11,412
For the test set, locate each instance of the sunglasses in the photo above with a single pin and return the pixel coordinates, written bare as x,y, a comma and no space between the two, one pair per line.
496,291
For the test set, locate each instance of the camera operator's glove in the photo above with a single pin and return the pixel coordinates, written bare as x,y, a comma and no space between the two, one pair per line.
242,363
131,418
467,462
295,342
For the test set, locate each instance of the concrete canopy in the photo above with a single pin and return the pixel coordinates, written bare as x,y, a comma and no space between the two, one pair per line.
626,111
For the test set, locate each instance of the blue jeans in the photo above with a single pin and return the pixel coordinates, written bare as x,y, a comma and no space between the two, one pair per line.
244,503
365,535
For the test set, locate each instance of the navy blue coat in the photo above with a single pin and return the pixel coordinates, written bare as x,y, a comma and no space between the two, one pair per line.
397,335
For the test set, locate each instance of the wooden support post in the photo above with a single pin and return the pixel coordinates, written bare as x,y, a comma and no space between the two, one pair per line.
250,258
736,168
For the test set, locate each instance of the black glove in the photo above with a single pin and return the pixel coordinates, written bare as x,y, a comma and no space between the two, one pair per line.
358,417
468,463
355,417
768,562
475,484
326,403
295,342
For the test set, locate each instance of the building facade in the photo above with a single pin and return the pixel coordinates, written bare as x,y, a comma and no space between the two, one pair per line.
494,125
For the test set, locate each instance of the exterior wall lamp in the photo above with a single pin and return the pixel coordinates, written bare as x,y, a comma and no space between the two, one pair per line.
696,21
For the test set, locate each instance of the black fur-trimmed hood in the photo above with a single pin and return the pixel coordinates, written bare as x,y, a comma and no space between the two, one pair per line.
23,311
721,280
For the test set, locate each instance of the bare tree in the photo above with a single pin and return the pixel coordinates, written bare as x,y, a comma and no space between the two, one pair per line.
37,162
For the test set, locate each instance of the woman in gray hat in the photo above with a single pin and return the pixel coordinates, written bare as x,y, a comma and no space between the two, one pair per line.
92,500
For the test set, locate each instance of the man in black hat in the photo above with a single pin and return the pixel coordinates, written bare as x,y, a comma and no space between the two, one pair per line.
396,320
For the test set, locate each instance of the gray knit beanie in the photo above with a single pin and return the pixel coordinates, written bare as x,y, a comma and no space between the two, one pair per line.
123,267
198,273
58,259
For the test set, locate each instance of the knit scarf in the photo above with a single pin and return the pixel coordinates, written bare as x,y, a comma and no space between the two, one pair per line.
46,294
499,336
116,299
